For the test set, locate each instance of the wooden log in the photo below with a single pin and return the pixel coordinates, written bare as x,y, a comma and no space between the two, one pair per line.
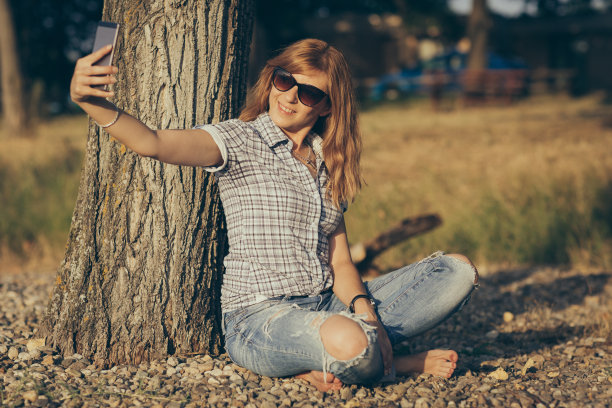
364,253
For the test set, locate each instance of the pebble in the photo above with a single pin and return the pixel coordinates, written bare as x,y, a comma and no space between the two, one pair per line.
35,344
30,396
541,363
492,335
13,353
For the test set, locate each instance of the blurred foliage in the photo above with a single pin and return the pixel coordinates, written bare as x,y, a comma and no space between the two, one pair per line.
557,8
51,36
284,20
37,202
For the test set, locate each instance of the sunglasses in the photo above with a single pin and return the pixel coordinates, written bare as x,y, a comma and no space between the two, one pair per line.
307,94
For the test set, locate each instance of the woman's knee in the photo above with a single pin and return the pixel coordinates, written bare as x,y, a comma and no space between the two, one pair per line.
466,260
342,337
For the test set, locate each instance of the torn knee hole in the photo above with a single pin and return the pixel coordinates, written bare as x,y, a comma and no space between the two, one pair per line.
343,338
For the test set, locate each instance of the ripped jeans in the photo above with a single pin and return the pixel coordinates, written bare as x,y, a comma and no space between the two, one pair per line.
280,336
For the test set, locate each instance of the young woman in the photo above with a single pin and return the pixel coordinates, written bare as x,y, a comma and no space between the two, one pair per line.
293,302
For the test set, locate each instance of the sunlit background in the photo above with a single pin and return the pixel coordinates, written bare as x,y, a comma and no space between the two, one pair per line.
493,115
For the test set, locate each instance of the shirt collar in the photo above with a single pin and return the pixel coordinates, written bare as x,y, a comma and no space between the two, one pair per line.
273,135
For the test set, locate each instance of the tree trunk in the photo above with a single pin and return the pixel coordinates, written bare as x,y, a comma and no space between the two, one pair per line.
479,25
142,271
13,106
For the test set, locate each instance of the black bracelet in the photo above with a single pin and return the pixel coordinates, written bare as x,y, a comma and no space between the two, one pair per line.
360,296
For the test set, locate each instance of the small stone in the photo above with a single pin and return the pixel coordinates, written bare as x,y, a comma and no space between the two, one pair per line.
266,382
236,379
508,317
47,360
421,403
35,344
172,361
499,374
35,354
483,388
361,393
206,366
141,374
492,335
74,373
3,349
354,403
424,392
214,381
24,356
191,371
78,365
346,393
13,353
530,363
30,396
214,372
553,374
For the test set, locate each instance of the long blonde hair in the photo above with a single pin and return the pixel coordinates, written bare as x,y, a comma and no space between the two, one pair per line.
339,129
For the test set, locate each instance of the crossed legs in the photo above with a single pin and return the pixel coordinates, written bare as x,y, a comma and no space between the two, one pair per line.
344,339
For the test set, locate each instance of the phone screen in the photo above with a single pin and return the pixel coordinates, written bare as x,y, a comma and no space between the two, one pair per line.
106,33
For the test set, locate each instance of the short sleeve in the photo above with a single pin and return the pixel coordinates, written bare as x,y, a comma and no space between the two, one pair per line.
214,132
230,137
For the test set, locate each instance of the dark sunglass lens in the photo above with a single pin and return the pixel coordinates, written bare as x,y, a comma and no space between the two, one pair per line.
310,96
283,81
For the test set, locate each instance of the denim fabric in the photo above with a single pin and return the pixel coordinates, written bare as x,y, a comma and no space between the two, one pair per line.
280,336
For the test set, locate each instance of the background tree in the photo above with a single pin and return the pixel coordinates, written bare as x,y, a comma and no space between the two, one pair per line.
13,107
142,270
479,26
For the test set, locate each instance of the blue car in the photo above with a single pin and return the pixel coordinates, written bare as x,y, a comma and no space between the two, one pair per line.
443,73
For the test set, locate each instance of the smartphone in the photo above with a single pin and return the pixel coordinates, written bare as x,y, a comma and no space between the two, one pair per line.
106,34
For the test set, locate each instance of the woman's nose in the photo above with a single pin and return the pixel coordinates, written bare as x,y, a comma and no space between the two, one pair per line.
291,95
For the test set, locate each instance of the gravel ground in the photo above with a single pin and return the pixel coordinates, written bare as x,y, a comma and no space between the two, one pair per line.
535,337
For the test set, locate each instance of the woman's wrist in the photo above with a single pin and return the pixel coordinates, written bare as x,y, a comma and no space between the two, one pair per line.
364,305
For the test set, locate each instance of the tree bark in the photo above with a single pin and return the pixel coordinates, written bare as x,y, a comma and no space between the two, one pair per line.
13,106
143,266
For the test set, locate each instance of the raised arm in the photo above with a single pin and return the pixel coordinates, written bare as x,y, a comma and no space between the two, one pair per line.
189,147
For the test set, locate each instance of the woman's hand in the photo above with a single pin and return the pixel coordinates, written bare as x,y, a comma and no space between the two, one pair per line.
385,345
86,74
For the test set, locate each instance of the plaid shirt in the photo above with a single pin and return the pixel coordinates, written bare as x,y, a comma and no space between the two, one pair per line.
278,218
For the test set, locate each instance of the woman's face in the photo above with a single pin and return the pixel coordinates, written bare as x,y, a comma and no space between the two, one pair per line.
289,113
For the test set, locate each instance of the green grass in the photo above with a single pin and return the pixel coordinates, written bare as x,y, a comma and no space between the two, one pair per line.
39,181
37,201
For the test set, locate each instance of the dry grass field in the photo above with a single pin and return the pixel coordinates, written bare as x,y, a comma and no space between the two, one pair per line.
523,184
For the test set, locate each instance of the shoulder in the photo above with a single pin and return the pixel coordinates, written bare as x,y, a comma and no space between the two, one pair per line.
230,131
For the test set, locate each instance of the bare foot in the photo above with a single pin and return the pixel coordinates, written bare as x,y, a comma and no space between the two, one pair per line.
437,362
316,378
